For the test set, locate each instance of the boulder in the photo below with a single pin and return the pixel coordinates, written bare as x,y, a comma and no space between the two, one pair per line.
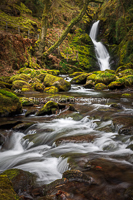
38,86
10,103
105,77
80,79
58,82
49,108
51,90
23,77
19,84
100,86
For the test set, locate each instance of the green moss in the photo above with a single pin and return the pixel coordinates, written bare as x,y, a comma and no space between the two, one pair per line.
6,190
27,101
49,108
10,103
76,74
23,77
81,79
125,72
11,173
38,86
100,86
51,90
105,77
58,82
53,72
91,77
19,84
126,95
118,84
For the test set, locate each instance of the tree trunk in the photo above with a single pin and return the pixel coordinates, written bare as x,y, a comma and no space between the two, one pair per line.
44,27
68,28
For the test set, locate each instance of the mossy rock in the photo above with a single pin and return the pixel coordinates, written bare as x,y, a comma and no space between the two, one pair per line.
89,84
49,108
26,101
105,77
91,77
5,85
118,84
100,86
23,77
27,88
41,76
76,74
6,190
53,72
128,80
58,82
110,71
51,90
10,103
25,70
38,86
125,72
81,79
126,95
20,180
19,84
124,67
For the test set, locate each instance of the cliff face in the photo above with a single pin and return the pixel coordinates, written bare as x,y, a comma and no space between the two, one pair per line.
117,29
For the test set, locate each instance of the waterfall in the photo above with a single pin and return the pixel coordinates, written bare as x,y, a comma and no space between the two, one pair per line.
101,51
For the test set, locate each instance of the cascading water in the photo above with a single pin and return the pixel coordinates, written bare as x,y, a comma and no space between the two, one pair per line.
101,52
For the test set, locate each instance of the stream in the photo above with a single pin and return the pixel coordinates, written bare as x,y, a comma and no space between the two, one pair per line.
91,133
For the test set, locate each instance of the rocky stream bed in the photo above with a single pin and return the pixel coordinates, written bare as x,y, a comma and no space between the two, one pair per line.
83,151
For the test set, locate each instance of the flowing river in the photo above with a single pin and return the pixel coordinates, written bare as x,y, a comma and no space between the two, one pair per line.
45,148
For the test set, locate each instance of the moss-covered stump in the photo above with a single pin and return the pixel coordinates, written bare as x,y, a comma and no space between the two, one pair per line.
9,103
22,181
105,77
80,79
38,86
19,84
6,190
23,77
58,82
100,86
49,108
51,90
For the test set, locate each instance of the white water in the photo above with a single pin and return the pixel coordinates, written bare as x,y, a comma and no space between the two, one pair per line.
101,51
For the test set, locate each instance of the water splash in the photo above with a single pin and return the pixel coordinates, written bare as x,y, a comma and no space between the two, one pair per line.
101,51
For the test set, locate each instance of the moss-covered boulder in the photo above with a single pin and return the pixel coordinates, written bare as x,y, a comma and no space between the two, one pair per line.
19,84
5,85
118,84
41,76
89,84
51,90
49,108
9,103
58,82
23,77
126,95
91,77
6,190
125,72
80,79
27,88
38,86
27,101
105,77
128,80
53,72
25,70
21,181
76,74
100,86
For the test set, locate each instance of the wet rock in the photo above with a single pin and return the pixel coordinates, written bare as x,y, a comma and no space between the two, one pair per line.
10,103
100,86
23,126
51,90
22,181
2,139
49,108
30,112
6,190
126,131
9,124
72,108
116,105
89,84
130,147
58,82
81,79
